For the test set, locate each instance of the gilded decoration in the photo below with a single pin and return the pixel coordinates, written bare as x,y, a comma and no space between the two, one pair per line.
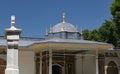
70,46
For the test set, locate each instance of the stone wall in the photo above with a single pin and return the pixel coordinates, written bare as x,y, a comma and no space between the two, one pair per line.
26,62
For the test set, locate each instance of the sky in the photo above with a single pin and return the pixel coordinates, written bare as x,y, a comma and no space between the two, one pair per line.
34,16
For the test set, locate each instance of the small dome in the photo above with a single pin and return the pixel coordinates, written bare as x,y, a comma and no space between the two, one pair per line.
64,25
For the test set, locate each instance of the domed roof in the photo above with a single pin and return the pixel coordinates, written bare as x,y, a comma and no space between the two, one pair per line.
64,26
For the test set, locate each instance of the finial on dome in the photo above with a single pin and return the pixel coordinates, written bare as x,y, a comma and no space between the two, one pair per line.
46,31
12,21
81,32
51,30
76,29
63,17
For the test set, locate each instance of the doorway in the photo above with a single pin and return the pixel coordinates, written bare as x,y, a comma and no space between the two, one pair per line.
56,69
112,68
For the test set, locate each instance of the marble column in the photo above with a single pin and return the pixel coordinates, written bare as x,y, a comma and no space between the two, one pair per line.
50,61
97,69
106,69
40,62
12,36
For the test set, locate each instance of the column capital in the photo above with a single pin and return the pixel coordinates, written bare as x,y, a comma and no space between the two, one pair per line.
106,66
50,52
96,56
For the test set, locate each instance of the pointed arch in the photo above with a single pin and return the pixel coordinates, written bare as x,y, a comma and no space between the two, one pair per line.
112,68
56,69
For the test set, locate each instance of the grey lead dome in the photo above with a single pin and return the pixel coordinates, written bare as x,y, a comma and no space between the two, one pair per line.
67,27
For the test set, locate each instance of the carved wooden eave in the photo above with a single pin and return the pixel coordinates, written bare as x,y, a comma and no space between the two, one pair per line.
69,46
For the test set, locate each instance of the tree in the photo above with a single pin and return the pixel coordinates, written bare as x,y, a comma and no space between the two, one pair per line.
115,11
86,34
91,35
94,35
108,32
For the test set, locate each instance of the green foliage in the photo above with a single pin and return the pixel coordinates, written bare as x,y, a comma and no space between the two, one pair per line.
115,11
106,33
115,8
86,34
110,30
91,35
94,35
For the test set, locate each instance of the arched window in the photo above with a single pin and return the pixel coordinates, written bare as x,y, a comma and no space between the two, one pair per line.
112,68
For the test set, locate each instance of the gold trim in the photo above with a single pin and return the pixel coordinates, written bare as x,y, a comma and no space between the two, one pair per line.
70,46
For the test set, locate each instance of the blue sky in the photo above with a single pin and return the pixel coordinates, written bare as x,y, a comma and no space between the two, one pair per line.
34,16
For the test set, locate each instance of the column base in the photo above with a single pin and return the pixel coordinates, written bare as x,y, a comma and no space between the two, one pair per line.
11,71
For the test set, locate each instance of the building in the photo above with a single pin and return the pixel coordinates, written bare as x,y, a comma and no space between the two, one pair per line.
62,51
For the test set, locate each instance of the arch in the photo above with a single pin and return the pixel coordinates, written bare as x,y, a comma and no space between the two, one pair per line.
2,66
56,69
112,68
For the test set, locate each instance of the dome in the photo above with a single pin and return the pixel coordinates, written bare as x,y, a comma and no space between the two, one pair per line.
64,26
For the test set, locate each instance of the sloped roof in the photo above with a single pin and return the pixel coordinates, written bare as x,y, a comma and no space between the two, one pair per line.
24,41
27,42
72,41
